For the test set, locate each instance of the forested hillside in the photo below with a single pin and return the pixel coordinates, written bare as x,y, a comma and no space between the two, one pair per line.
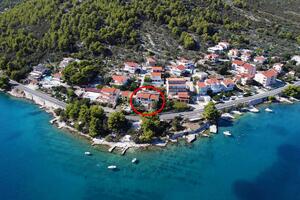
39,30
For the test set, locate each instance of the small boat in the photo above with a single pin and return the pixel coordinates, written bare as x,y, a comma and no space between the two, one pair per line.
205,135
268,110
87,153
112,167
134,160
254,110
227,133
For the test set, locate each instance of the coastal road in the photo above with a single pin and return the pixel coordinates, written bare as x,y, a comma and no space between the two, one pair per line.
164,116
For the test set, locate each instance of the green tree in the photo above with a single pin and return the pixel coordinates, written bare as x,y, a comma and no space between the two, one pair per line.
292,91
117,122
4,83
95,127
210,112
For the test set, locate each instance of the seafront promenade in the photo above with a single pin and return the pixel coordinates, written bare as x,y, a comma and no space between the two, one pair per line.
164,116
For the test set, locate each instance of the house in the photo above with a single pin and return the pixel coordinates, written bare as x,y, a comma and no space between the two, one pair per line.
200,75
247,69
215,49
125,95
66,61
225,45
175,85
246,55
236,64
185,62
266,78
244,79
57,77
109,95
91,93
233,53
182,97
178,70
214,85
201,88
157,69
132,67
228,84
156,78
119,80
260,59
150,61
38,72
147,98
212,57
278,67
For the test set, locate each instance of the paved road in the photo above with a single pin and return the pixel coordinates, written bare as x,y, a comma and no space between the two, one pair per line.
164,116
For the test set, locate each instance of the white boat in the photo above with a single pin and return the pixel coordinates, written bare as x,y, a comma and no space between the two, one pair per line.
227,133
134,160
236,112
268,110
253,109
87,153
112,167
205,135
213,129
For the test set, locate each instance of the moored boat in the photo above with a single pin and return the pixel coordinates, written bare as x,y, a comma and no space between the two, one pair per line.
134,160
227,133
87,153
112,167
268,110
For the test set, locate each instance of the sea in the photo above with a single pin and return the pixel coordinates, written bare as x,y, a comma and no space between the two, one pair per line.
260,162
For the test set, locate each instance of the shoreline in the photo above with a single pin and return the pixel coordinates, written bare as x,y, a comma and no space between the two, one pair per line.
123,146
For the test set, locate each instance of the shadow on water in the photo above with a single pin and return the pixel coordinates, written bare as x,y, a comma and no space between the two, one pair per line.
33,113
279,181
225,123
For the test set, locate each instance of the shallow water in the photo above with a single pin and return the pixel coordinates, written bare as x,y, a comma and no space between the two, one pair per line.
261,161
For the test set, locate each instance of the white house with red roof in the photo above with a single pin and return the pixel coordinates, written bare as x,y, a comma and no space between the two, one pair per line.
266,78
246,55
224,44
243,68
125,94
119,80
147,98
244,79
201,88
278,67
156,78
132,67
175,86
178,70
214,85
212,57
109,95
233,53
260,59
150,61
228,84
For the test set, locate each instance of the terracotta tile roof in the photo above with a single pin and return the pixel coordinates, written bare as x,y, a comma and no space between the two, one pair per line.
270,73
228,82
176,80
132,64
201,84
212,81
181,67
126,93
119,79
156,74
154,97
238,62
183,95
260,58
248,66
157,68
109,90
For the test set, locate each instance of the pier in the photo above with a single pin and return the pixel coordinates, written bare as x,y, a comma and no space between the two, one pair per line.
111,149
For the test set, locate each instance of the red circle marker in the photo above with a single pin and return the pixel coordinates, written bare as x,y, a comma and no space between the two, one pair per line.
152,113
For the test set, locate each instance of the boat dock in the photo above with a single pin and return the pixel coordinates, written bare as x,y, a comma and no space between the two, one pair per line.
124,150
190,138
213,129
111,149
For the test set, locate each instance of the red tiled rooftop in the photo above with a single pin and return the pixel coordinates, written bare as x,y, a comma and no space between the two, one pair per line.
183,95
181,67
156,74
132,64
201,84
248,66
238,62
228,81
212,81
119,79
126,93
270,73
109,90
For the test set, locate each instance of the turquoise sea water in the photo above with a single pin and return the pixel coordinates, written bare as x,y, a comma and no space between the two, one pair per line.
38,161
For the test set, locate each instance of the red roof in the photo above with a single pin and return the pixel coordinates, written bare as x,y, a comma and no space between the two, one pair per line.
119,79
238,62
228,82
270,73
212,81
201,84
184,95
109,90
181,67
132,64
126,93
156,74
157,68
260,58
248,66
176,79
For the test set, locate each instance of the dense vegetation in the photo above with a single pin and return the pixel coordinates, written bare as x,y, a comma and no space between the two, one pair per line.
37,30
292,91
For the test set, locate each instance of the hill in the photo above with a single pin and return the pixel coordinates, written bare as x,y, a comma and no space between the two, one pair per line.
36,31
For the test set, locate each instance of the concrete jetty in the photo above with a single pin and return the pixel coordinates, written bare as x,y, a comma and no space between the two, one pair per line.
111,149
213,129
190,138
124,150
